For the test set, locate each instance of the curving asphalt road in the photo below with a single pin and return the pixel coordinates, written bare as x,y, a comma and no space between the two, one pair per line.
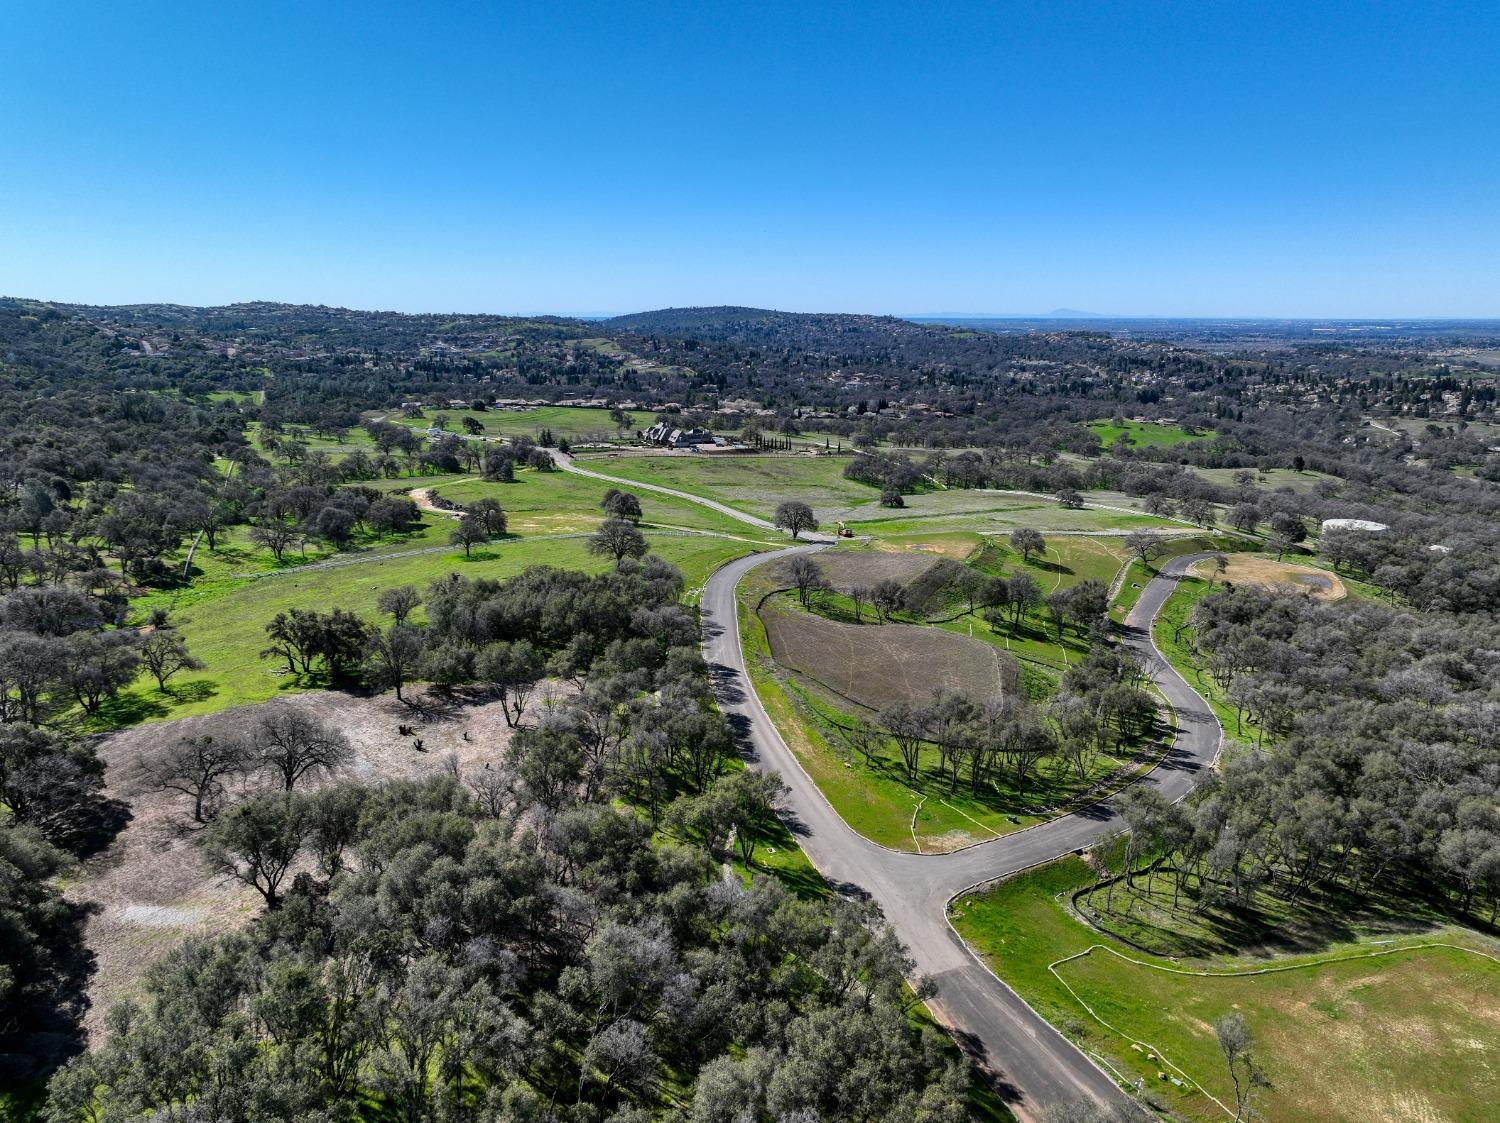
1032,1064
568,464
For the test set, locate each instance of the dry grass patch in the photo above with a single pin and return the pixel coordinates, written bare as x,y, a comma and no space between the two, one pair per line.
845,570
149,889
874,666
1246,569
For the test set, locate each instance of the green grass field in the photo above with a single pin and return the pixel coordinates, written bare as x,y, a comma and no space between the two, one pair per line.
1273,479
236,589
226,628
756,484
1413,1035
1144,434
753,484
573,422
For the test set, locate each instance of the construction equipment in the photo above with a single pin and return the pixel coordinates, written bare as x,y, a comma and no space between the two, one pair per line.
844,531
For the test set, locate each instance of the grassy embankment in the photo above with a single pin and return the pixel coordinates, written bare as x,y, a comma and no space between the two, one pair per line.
1410,1035
877,797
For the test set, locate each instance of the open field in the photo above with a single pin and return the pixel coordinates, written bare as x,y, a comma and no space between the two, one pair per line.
235,590
1410,1036
572,422
846,568
1245,569
226,627
1144,434
999,512
874,665
1066,561
754,484
1277,479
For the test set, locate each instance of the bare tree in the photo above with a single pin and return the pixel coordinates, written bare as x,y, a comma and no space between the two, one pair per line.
398,603
794,517
275,534
887,597
1027,541
1145,547
806,578
291,744
197,766
859,594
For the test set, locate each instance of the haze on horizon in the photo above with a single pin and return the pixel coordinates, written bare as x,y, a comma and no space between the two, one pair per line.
1170,160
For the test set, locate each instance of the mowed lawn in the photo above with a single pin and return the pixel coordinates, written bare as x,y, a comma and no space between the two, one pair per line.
1410,1036
1144,434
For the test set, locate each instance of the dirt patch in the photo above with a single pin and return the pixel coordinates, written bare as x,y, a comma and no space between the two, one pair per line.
956,548
875,665
1269,573
149,889
422,497
844,570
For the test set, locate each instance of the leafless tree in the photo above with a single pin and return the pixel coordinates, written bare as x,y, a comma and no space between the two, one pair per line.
197,766
290,744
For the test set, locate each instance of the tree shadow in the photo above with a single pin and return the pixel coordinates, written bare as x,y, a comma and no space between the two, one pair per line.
48,1029
1264,924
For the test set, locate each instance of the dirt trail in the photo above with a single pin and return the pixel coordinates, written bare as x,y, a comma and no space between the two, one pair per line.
422,497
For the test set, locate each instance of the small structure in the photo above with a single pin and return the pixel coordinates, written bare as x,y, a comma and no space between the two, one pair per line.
665,435
1352,524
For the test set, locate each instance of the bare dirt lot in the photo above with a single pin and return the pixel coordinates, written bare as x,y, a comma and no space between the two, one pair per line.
875,665
149,888
1269,573
846,569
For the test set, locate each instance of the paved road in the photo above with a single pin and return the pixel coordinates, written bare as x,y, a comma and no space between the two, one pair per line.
568,464
1033,1065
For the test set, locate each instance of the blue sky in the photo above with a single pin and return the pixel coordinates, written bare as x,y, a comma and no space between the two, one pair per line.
1199,158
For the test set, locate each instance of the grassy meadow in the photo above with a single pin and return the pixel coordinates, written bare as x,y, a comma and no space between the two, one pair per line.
1348,1027
876,796
234,591
1144,434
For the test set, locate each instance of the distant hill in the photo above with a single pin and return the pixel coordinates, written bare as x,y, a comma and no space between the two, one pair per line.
725,321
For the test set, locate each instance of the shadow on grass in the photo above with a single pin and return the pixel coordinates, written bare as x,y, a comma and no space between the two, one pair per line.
1207,922
127,709
135,706
48,1029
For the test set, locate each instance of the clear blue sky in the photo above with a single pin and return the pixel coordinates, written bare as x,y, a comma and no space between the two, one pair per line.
1194,158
